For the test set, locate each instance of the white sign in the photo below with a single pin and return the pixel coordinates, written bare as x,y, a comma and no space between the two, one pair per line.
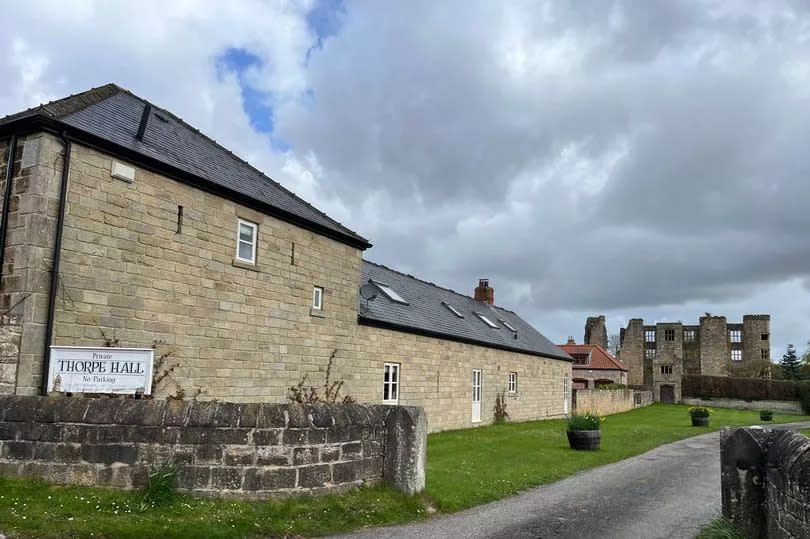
76,369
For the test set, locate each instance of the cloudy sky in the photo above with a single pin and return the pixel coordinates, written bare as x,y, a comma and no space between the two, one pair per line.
632,158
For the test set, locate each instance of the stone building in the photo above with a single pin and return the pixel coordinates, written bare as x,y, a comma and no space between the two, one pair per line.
657,355
122,225
593,366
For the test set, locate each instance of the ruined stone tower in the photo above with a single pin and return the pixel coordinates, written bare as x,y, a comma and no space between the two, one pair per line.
595,331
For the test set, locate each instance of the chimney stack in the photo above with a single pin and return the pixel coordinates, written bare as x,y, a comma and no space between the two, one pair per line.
484,292
571,340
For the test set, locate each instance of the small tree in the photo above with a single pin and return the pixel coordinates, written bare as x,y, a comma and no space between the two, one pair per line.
791,364
614,343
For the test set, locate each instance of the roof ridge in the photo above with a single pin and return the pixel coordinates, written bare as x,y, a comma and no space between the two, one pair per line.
434,285
239,159
104,91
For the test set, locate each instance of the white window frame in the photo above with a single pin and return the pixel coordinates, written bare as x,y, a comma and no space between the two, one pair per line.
392,383
649,335
239,241
453,309
487,321
736,355
735,335
513,382
317,298
508,326
649,353
689,335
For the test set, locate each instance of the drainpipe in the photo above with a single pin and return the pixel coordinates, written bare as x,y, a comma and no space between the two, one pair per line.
12,150
57,253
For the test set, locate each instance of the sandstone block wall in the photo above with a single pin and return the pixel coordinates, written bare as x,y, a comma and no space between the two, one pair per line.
765,482
225,449
10,333
788,407
436,374
632,351
608,401
236,332
755,327
714,346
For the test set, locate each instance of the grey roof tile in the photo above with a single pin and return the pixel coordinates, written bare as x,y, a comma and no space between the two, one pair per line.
114,114
425,313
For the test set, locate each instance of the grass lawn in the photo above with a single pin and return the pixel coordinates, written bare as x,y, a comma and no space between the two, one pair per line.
806,432
475,466
465,468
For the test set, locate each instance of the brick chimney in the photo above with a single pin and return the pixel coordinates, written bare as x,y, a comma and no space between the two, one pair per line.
484,292
571,340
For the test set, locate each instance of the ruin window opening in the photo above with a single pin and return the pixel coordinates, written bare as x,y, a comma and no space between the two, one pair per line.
669,334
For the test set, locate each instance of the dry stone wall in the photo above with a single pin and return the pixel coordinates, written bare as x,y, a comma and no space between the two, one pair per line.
227,449
10,334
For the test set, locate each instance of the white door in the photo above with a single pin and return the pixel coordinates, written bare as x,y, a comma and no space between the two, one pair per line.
476,396
566,394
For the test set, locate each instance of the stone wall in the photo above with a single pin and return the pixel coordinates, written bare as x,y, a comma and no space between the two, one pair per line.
237,332
596,331
609,401
632,351
788,407
765,482
10,333
755,327
245,450
714,346
436,374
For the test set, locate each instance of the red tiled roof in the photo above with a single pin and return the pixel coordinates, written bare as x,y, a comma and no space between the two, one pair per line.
600,359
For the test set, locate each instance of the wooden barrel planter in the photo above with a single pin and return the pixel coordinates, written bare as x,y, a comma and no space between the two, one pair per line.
700,421
584,439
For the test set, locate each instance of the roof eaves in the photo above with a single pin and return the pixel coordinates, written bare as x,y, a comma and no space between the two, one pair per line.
45,122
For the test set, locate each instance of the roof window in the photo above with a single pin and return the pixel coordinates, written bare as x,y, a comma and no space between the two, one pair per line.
487,321
452,309
508,325
389,292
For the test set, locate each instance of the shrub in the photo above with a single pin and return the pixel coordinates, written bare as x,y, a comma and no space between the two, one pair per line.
700,411
726,387
501,415
766,415
612,386
804,396
159,489
587,420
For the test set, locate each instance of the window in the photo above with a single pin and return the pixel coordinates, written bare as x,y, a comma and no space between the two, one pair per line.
764,336
452,309
764,354
669,334
649,335
735,335
649,353
507,325
391,383
666,369
581,359
389,292
689,354
487,321
246,241
179,219
689,335
512,382
736,355
317,298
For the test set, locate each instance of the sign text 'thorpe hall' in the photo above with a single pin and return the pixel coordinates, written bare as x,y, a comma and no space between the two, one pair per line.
76,369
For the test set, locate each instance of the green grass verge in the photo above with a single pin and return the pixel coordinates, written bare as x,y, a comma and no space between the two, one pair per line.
475,466
465,468
719,529
32,508
806,432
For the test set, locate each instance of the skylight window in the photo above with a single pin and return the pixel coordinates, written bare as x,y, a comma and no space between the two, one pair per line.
389,292
452,309
487,321
508,325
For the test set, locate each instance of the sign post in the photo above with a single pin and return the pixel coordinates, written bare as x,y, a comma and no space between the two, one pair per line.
77,369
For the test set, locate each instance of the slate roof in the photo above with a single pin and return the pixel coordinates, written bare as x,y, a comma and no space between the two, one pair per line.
114,114
600,359
425,314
